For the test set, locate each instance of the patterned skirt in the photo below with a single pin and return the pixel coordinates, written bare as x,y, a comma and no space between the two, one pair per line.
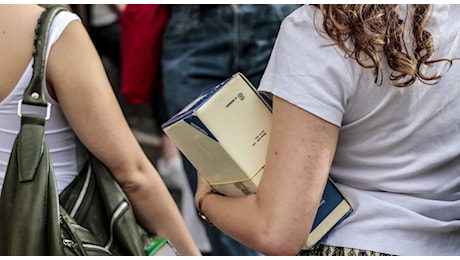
325,250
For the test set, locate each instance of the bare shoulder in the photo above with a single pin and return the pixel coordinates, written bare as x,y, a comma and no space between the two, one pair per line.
17,30
19,14
18,21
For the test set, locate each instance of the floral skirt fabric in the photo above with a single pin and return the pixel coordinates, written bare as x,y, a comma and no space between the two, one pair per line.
324,250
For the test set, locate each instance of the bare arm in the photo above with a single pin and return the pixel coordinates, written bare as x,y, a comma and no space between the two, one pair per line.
78,79
277,220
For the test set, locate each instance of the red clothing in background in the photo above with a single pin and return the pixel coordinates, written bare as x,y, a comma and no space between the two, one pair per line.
142,27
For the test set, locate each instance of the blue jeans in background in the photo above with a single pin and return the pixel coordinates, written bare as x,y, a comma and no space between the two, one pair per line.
202,46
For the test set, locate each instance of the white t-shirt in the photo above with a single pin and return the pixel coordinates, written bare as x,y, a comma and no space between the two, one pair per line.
67,154
398,154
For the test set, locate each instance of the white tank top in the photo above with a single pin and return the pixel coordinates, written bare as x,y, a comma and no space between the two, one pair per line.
67,153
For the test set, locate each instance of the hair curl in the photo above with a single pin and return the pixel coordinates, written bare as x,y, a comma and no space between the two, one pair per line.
377,32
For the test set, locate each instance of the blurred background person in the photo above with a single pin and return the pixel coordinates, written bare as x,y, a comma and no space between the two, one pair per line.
142,27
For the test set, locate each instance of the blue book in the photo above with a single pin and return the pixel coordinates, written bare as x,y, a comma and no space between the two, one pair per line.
333,209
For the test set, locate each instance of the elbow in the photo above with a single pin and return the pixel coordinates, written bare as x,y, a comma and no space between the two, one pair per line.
130,187
131,180
131,184
277,244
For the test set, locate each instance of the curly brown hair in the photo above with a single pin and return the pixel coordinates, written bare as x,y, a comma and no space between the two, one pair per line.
377,32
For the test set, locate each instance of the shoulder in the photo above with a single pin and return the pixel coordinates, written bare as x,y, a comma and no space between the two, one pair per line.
304,15
63,18
19,18
60,24
303,29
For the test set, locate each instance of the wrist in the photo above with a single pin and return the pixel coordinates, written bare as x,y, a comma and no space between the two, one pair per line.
200,206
